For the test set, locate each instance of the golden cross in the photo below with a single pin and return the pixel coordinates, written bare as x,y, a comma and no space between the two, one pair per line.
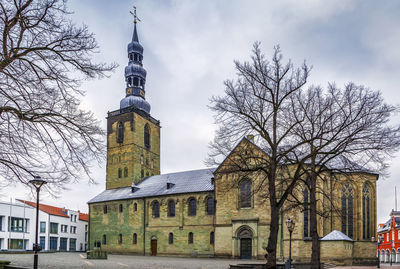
135,18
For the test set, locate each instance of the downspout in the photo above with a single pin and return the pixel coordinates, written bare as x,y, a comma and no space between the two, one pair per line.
144,226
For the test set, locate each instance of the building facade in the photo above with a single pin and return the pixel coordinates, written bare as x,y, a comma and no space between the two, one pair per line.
60,229
209,212
389,249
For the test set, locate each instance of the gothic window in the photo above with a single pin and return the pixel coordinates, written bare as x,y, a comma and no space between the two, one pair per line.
121,208
192,207
306,214
135,207
366,212
212,238
171,208
120,239
104,239
190,238
147,136
120,132
347,210
105,209
119,172
126,172
245,193
156,209
134,240
210,206
171,238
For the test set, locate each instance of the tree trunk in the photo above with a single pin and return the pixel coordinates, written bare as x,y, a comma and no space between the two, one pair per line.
315,256
273,237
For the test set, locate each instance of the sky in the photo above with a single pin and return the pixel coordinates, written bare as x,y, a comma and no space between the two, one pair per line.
189,49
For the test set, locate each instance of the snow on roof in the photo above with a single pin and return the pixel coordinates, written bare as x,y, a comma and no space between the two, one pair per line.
336,236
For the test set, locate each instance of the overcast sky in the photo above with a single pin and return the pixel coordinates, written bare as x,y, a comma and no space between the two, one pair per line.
189,48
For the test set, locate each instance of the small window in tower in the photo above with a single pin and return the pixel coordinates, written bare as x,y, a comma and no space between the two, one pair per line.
120,239
134,241
135,81
126,172
142,173
121,208
147,161
135,207
147,136
129,82
147,174
171,238
136,57
130,57
120,132
119,172
190,238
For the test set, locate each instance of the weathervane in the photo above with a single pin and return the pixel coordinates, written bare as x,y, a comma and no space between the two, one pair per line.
135,18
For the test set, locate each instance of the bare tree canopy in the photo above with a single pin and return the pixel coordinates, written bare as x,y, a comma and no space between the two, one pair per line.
302,133
43,59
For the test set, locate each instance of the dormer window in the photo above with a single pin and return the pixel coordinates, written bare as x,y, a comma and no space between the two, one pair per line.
170,185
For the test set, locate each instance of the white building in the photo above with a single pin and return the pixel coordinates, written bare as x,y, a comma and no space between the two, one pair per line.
60,229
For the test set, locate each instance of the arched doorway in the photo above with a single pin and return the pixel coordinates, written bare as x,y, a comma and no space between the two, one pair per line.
153,246
398,255
246,243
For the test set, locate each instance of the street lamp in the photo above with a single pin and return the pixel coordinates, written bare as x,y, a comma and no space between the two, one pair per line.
37,182
290,225
380,241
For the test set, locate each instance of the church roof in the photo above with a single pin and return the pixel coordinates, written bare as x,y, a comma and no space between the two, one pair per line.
336,236
182,182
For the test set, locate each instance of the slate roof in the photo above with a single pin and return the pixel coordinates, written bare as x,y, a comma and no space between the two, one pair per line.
182,182
336,236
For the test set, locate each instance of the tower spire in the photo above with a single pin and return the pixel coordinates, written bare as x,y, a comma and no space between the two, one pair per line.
135,20
135,74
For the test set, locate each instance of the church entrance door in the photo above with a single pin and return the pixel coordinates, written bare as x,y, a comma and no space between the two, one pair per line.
153,247
245,248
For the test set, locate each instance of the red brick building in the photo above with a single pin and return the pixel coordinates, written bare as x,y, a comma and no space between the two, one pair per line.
389,249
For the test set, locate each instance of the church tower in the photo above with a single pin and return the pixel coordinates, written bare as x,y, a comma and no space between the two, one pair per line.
133,135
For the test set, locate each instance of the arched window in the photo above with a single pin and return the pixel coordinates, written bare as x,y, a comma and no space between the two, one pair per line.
156,209
190,238
147,136
120,239
192,207
119,172
126,172
212,238
245,193
135,207
366,212
105,209
134,240
121,208
104,239
171,208
306,214
120,132
347,210
135,81
136,57
171,238
210,205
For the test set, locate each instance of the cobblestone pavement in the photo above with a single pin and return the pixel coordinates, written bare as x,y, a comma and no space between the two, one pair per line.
78,260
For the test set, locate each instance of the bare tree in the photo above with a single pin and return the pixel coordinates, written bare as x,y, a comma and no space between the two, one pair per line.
257,103
347,131
43,59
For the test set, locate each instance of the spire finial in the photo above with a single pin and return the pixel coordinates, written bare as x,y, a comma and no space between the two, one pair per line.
135,18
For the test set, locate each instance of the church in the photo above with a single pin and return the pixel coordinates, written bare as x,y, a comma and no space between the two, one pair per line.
190,213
